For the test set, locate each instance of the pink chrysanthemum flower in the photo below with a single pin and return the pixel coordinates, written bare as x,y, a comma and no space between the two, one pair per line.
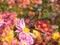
25,36
11,3
23,3
9,17
3,25
43,27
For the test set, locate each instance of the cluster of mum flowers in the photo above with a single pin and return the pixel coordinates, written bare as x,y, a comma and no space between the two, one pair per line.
23,3
7,24
13,31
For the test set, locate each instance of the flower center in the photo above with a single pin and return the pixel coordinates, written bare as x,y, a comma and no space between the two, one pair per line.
26,30
24,43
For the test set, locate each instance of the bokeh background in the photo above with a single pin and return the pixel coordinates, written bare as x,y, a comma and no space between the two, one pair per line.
42,17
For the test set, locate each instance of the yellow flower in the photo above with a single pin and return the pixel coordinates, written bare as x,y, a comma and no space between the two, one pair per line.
9,34
55,35
38,35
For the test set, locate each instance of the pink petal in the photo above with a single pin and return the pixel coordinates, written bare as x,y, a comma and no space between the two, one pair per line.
22,23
